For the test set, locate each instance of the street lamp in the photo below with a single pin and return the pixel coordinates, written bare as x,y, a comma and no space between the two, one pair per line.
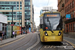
12,24
21,24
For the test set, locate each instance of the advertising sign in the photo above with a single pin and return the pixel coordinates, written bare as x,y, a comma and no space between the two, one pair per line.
17,29
68,16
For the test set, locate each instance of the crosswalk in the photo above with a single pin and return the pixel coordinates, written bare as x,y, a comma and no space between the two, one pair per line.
64,46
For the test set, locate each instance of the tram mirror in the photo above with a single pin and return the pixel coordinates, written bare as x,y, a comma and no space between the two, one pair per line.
47,19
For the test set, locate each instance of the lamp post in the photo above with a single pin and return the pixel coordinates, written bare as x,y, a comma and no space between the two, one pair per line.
12,24
20,17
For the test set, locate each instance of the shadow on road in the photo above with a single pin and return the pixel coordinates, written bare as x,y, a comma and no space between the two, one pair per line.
53,43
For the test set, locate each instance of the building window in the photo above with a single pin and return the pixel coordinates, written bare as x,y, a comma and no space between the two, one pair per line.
69,27
17,8
72,4
17,23
17,5
74,27
20,8
17,2
27,3
69,7
9,23
20,5
66,1
20,2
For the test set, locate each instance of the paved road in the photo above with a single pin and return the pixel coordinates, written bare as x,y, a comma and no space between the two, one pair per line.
32,42
21,44
65,45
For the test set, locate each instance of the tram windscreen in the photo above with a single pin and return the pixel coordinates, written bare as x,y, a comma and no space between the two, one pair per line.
52,21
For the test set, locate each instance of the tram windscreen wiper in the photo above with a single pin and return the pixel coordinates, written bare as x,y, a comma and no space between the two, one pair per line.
49,24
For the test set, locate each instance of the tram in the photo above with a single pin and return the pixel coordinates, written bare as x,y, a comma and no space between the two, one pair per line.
51,27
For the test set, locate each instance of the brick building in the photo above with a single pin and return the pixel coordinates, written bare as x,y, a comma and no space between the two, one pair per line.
67,7
70,23
61,9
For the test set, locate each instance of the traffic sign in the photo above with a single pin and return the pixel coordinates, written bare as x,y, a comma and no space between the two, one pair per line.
12,24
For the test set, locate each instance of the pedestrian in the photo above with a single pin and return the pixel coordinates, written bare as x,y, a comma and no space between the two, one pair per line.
5,34
26,31
1,35
15,34
23,32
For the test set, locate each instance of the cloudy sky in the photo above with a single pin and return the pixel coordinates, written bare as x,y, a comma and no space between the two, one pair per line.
39,4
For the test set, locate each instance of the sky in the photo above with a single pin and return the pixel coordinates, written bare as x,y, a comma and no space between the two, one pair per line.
39,4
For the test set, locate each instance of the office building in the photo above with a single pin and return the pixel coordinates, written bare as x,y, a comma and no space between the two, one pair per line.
47,9
21,9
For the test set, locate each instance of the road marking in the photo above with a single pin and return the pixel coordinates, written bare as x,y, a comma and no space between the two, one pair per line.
12,41
44,46
34,44
70,43
54,47
66,44
48,46
51,47
39,48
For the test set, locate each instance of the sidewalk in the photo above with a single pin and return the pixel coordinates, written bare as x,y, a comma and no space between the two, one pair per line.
11,39
69,35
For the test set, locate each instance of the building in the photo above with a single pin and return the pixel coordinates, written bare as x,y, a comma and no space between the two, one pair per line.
47,9
70,22
21,9
3,22
61,9
32,18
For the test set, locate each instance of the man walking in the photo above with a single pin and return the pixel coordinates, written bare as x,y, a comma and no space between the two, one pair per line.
1,35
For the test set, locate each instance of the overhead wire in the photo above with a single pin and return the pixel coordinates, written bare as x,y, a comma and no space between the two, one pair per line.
48,3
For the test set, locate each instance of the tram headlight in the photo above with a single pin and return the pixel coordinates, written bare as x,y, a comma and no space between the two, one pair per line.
59,34
46,34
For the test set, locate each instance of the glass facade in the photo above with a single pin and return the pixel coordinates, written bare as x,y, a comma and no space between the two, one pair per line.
27,12
5,5
8,5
